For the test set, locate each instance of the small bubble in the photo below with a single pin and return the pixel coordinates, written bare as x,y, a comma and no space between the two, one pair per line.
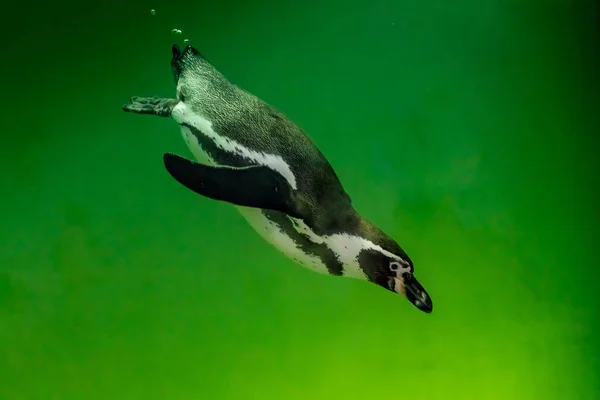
186,41
153,12
176,31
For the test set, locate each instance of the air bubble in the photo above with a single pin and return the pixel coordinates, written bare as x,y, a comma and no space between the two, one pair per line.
153,12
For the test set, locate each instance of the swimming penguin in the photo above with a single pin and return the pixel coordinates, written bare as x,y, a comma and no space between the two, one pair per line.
250,155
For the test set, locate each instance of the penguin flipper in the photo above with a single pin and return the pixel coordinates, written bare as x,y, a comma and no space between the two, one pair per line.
158,106
256,186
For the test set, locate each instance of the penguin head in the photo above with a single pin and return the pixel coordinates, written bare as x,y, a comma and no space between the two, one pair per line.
395,273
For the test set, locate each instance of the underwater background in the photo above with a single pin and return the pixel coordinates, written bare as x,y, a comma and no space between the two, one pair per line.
466,130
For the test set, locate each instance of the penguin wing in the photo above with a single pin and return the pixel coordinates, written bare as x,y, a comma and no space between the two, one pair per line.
256,186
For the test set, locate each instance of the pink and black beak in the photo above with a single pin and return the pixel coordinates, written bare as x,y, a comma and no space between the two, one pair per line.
410,287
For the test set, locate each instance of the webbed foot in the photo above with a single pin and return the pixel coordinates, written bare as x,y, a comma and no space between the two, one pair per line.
151,105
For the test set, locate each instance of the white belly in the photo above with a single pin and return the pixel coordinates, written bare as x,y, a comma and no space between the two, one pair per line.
271,232
267,229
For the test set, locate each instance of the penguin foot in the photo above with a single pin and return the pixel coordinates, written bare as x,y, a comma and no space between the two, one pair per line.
151,105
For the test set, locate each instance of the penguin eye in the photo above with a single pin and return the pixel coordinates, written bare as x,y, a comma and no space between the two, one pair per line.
399,268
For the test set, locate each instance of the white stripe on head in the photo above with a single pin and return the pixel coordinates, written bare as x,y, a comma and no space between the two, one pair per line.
183,115
347,248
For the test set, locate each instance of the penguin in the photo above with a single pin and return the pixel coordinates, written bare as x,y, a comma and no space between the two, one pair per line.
252,156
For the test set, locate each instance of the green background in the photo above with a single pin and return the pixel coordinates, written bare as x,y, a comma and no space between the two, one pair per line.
467,130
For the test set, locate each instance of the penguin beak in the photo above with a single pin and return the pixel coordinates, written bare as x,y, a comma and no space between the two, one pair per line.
410,287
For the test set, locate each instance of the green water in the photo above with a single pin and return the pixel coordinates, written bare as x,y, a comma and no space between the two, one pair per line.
466,130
